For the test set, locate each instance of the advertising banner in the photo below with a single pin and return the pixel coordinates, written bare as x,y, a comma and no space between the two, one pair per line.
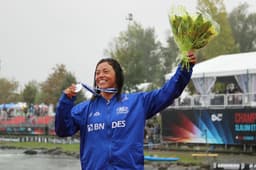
220,126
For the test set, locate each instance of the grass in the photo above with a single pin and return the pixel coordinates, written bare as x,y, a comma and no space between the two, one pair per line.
36,145
185,157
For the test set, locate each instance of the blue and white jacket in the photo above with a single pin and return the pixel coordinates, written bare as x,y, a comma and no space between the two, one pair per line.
112,132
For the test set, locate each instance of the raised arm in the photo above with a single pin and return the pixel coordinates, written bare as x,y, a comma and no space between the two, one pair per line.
64,122
157,100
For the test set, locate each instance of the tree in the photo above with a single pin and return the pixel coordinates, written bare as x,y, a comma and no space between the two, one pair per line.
55,84
243,28
139,54
169,55
8,91
30,91
224,43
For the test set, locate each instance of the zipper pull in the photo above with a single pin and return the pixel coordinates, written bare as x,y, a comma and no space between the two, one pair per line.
108,101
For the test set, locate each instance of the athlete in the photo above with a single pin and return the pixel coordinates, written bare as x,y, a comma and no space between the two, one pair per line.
111,123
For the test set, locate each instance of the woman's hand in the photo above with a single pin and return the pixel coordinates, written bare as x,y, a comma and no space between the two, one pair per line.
192,57
70,91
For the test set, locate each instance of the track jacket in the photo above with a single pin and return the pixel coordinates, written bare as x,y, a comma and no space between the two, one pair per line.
112,132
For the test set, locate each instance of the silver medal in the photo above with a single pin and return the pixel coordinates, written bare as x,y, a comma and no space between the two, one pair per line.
78,87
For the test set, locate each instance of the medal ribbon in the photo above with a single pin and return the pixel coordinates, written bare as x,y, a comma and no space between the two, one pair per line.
93,91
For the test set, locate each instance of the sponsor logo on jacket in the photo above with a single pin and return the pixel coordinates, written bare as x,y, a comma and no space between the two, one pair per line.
101,126
122,110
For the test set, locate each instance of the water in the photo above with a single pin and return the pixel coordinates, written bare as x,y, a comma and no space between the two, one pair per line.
17,160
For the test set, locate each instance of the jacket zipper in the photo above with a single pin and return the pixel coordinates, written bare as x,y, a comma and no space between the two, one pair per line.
109,130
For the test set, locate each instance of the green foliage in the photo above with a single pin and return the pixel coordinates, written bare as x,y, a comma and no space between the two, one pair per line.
36,145
243,28
169,55
30,91
8,91
47,92
52,87
139,54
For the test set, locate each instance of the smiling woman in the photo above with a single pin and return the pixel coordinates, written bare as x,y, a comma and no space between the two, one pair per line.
111,124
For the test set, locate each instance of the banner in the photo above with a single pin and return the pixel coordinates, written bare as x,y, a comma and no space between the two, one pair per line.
213,126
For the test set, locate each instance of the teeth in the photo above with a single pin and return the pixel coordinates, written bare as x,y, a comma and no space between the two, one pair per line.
102,81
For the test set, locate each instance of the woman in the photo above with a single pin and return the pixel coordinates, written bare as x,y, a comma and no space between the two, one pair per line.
112,124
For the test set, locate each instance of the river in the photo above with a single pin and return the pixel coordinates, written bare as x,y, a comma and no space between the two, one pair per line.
17,160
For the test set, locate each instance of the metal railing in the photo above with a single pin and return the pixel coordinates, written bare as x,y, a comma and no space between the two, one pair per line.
235,100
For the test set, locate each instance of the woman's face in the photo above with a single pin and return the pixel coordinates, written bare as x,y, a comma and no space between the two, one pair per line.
105,76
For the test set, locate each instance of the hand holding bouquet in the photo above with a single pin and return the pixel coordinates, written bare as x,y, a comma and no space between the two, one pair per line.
191,32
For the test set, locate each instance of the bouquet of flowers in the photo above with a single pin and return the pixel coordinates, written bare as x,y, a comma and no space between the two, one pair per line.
191,32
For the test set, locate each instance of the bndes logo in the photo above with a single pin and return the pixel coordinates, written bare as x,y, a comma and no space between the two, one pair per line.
118,124
101,126
217,117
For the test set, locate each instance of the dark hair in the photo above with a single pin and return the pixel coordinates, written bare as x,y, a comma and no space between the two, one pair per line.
118,71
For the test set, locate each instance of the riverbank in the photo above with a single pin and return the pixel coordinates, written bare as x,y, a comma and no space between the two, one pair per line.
43,148
186,161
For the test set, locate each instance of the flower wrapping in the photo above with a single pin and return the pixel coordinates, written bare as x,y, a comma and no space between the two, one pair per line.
191,32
